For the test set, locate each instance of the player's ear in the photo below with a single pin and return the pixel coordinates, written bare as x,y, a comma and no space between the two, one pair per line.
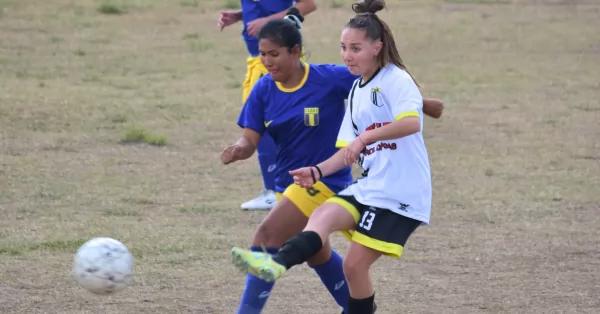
296,51
378,47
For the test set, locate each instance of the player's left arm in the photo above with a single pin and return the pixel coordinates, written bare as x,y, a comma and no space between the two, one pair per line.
304,6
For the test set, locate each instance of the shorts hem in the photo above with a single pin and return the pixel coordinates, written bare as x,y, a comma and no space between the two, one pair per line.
387,248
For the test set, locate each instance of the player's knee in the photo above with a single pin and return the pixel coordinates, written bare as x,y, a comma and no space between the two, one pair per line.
321,257
266,234
353,269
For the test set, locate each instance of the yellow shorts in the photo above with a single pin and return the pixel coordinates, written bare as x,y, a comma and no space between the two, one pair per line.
254,71
307,200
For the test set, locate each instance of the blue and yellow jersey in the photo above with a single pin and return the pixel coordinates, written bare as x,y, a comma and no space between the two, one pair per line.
255,9
304,121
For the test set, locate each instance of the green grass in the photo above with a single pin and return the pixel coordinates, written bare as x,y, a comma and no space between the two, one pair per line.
197,209
88,88
112,7
232,4
51,245
140,135
336,4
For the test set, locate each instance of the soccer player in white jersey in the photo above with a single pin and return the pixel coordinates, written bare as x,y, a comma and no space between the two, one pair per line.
382,131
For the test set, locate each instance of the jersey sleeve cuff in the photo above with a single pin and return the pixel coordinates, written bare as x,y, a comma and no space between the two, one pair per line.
412,113
258,130
341,144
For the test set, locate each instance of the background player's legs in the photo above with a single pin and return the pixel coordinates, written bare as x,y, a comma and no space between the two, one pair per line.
266,146
356,269
266,159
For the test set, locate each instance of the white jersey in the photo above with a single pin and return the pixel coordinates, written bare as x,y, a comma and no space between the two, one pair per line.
397,171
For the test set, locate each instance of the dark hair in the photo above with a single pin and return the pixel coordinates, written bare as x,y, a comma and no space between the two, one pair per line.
377,29
284,32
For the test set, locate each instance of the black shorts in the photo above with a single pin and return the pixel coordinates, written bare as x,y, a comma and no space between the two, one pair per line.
377,228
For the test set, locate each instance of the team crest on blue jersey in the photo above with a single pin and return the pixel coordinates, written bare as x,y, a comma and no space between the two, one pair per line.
311,116
375,95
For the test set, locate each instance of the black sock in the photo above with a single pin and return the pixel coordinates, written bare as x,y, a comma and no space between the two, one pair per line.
298,249
361,306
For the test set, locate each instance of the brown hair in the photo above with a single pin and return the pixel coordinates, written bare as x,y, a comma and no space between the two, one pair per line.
377,29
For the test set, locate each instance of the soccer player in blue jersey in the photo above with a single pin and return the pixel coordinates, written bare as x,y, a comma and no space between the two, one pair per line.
302,107
255,14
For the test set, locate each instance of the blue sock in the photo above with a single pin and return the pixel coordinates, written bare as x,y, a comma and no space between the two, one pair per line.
256,290
266,158
332,276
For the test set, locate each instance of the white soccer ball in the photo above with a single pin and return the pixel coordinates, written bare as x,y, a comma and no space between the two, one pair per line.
103,266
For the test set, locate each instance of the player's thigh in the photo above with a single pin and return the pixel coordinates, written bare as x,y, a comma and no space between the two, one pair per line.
383,230
336,214
351,206
281,223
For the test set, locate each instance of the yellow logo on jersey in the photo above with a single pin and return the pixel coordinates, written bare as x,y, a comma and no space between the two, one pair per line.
374,96
311,116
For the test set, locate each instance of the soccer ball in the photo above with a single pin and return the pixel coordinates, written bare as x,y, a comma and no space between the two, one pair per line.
103,266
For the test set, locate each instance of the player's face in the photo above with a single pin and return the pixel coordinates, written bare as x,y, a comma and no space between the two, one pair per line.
358,51
279,61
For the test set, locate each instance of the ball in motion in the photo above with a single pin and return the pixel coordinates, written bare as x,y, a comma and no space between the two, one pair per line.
103,266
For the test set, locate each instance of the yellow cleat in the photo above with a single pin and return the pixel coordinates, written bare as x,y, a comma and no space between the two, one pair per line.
258,264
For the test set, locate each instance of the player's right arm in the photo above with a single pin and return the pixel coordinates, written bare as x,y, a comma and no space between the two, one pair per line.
242,149
229,17
252,121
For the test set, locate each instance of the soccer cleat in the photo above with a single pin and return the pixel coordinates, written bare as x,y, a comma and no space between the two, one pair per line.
265,201
374,308
258,264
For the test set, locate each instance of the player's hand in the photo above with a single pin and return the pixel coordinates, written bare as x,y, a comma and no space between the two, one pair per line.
303,177
231,154
433,108
228,18
256,25
353,150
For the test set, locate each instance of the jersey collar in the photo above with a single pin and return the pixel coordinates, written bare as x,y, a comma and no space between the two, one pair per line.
297,87
361,84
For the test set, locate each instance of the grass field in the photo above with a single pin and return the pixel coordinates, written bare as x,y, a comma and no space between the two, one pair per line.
113,115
